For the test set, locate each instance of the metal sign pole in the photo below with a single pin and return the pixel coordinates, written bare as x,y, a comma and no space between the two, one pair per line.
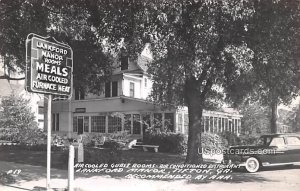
42,54
49,141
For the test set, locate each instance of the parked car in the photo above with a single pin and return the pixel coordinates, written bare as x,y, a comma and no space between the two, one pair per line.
270,150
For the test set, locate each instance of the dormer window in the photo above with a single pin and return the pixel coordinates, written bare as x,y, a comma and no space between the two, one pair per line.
124,62
111,89
131,90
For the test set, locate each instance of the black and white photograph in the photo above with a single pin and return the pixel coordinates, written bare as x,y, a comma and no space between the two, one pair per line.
151,95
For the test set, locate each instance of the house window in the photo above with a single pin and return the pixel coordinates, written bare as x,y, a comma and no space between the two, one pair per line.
226,124
157,123
114,124
206,123
136,124
111,89
146,122
215,127
55,122
180,121
124,62
107,89
86,124
127,123
98,124
131,89
220,124
114,89
186,123
145,82
75,126
169,121
211,121
79,94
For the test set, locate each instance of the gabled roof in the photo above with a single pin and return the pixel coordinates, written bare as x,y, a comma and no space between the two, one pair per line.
143,62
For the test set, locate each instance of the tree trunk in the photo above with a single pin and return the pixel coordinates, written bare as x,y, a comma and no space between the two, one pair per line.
195,109
273,117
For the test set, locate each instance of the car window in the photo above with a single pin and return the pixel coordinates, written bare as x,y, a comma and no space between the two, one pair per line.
293,140
277,141
262,141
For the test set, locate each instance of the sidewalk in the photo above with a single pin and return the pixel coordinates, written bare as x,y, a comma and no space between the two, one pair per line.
34,178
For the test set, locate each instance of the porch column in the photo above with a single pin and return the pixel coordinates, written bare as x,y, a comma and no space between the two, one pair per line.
90,124
176,122
204,122
163,120
239,126
228,127
122,123
141,124
106,123
222,124
131,124
218,124
209,124
213,130
182,125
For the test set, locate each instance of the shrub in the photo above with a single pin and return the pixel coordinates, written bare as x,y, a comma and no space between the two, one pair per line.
248,140
94,156
24,135
119,135
34,147
87,141
213,141
9,134
231,138
6,178
16,112
167,141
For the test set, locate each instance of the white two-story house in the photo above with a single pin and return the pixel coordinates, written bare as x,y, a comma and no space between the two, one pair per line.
126,94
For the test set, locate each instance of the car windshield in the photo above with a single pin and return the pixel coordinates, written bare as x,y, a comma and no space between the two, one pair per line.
264,141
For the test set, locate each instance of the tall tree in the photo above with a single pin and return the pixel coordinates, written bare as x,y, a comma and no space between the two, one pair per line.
16,113
18,19
197,47
64,20
255,119
273,34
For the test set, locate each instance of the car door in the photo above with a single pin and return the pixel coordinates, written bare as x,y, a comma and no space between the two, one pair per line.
293,145
280,148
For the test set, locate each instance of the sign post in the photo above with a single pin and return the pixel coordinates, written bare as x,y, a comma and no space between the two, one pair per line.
49,142
49,68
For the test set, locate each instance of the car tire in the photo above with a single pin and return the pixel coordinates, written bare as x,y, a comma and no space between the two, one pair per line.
252,165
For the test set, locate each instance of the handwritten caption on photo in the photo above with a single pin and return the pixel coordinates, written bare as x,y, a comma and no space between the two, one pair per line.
161,171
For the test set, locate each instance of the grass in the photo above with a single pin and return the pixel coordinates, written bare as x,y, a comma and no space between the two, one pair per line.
60,158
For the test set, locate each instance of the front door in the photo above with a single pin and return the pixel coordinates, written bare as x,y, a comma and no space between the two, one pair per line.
80,125
278,143
293,144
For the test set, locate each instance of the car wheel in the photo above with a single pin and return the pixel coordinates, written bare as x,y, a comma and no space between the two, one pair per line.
252,164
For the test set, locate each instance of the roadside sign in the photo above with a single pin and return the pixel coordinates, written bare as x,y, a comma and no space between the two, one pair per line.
49,66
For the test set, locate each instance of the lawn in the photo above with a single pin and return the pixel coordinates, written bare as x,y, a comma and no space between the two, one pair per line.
60,158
